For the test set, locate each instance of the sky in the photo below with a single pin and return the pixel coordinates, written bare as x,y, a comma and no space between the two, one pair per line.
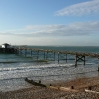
49,22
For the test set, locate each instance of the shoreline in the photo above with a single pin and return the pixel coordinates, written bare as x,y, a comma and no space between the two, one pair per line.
37,92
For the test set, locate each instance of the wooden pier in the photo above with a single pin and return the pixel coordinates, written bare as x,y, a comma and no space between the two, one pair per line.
79,56
46,54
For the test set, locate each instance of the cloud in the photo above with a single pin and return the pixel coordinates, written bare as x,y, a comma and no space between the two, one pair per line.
80,9
74,29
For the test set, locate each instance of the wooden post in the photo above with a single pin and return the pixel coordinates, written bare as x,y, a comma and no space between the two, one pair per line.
58,57
98,67
39,81
31,52
17,51
25,52
20,51
66,58
54,56
75,60
72,87
98,64
89,88
84,59
44,54
37,54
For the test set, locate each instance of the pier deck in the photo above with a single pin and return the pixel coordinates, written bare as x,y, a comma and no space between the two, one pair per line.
79,56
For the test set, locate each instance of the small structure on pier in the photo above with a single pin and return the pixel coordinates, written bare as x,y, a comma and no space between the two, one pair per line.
6,45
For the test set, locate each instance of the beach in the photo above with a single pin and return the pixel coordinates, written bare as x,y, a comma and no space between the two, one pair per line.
78,91
68,81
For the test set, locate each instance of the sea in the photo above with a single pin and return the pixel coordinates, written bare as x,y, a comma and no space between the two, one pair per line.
14,68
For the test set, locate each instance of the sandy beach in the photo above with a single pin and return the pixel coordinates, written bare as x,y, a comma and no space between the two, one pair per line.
83,88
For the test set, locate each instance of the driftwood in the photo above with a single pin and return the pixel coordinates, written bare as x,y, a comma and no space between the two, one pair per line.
34,83
64,88
68,89
86,90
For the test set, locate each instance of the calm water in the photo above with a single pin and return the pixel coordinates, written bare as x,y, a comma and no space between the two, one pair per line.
14,68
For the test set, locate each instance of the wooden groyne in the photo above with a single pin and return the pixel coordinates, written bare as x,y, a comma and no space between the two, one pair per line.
61,55
34,82
71,88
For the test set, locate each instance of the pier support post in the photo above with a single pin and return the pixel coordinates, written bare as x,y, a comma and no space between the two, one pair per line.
20,51
58,56
37,54
46,55
66,58
84,59
54,56
31,52
25,52
79,58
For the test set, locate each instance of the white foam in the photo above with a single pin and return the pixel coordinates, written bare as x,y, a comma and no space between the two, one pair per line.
37,67
45,70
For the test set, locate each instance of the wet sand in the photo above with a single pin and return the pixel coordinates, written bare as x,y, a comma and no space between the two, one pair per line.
37,92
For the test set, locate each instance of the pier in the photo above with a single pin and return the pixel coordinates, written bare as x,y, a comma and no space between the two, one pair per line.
61,55
52,54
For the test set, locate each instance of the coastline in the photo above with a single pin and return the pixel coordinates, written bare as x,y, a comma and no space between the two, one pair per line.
63,74
37,92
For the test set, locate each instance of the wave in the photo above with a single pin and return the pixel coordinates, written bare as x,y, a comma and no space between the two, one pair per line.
44,70
49,75
36,67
